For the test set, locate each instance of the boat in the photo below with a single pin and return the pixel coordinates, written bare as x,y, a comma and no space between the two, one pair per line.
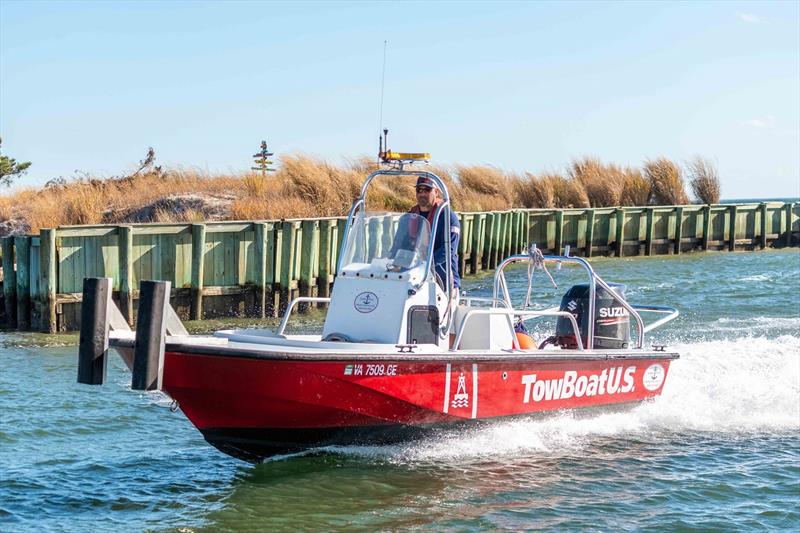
399,356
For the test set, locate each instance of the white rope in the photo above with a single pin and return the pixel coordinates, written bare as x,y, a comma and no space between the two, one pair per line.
536,261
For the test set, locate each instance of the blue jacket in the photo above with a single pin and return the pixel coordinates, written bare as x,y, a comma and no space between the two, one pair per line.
439,250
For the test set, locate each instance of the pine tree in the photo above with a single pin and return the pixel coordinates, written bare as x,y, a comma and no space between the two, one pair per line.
10,169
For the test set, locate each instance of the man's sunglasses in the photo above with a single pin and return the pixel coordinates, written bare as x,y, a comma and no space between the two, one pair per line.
422,188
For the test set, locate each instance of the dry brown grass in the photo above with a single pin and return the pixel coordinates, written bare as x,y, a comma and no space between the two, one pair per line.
6,208
635,188
603,183
566,192
306,186
666,182
483,188
534,192
704,180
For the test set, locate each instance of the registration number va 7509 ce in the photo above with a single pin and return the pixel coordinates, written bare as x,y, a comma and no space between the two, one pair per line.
370,370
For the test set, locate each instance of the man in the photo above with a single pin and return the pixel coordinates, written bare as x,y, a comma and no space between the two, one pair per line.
428,198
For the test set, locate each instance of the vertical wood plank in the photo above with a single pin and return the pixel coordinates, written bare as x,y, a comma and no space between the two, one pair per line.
525,237
477,247
499,238
325,256
580,233
22,253
559,235
506,249
35,290
706,226
512,233
497,247
788,209
125,254
198,256
648,242
732,228
509,238
274,278
678,229
167,259
487,244
308,258
9,282
765,226
462,244
229,259
619,237
589,232
340,236
289,240
260,274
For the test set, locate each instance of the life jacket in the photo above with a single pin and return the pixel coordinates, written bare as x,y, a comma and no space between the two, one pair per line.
413,224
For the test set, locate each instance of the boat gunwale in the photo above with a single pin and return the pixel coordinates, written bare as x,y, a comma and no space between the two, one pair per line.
434,357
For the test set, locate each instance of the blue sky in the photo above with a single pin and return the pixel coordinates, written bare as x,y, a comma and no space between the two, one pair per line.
525,86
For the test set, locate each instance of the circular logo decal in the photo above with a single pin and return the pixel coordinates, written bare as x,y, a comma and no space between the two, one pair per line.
653,377
366,302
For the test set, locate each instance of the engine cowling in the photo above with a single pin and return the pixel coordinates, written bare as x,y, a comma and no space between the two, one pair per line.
611,320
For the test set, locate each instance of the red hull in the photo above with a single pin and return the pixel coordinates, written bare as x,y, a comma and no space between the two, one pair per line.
253,407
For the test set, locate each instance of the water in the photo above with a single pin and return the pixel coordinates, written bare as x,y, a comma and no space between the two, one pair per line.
719,450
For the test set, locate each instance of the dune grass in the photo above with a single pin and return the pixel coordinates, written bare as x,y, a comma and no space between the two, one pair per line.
666,182
306,186
704,180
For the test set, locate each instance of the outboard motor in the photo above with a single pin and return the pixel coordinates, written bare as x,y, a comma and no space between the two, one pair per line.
611,320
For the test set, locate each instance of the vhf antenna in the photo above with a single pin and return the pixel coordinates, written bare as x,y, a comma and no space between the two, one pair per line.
381,141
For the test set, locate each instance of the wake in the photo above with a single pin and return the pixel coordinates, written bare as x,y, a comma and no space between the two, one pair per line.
743,386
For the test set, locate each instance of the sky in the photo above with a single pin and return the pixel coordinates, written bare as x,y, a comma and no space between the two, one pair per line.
87,87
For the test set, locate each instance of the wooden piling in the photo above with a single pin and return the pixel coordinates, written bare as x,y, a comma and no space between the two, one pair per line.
198,255
620,236
732,228
9,282
22,254
788,209
48,279
125,254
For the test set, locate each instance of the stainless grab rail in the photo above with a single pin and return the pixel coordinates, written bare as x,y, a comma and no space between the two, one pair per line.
481,299
301,299
594,280
671,313
361,201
